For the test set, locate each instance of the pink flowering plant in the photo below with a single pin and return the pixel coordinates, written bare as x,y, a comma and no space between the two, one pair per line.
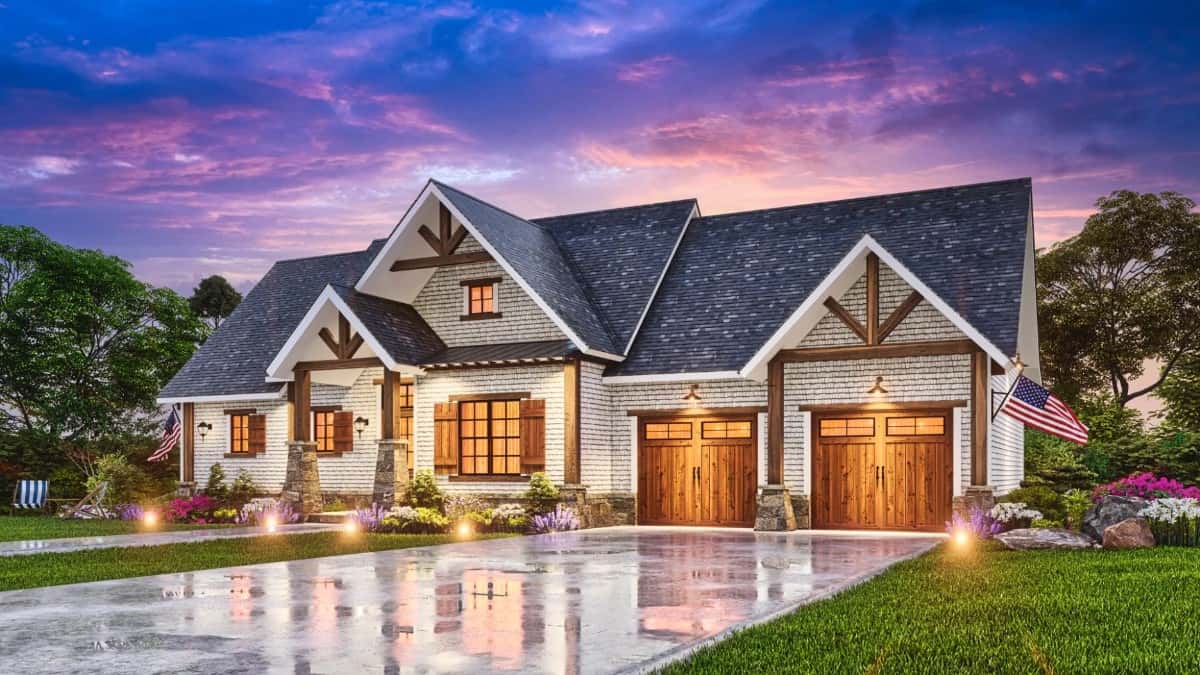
197,509
1147,486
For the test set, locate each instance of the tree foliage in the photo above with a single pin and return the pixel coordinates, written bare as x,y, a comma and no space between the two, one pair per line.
1181,394
1124,291
84,346
214,300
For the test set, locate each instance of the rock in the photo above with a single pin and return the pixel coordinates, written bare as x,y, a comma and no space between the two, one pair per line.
1129,533
1110,510
1029,539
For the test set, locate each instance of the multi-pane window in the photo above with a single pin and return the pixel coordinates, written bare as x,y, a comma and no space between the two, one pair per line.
854,426
739,429
662,431
239,432
404,425
323,432
481,298
490,437
916,426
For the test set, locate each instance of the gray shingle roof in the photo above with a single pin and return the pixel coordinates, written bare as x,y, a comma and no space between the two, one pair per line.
737,277
514,352
234,359
396,325
619,255
536,257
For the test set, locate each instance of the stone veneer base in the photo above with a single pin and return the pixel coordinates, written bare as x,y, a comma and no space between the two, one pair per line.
302,484
981,496
776,512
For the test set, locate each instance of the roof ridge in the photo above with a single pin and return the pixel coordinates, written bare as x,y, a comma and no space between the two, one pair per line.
866,197
324,255
693,200
486,203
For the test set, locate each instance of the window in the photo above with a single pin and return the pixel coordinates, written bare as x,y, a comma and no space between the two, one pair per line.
239,432
479,299
490,437
855,426
404,425
662,431
323,430
916,426
725,429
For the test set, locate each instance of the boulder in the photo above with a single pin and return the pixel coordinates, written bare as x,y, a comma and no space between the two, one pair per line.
1129,533
1029,539
1109,511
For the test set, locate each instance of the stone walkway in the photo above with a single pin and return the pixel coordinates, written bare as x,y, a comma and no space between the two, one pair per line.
66,545
598,601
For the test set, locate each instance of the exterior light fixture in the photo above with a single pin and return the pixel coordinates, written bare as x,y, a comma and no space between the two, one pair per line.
692,395
1018,363
203,428
360,425
877,388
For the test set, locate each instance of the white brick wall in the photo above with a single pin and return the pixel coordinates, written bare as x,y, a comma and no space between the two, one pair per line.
353,472
543,382
1006,447
440,303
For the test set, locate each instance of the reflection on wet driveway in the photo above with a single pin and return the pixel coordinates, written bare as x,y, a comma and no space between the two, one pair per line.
593,601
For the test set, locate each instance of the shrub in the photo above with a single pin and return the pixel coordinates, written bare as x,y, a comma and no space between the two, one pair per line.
542,493
1039,498
198,509
428,521
1042,523
458,506
978,523
1076,504
423,491
335,505
127,483
244,489
215,487
1147,486
225,515
561,519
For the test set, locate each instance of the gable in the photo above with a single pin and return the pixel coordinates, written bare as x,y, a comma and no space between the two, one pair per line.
440,303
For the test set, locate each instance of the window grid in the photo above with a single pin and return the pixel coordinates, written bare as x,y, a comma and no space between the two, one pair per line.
481,298
853,426
323,430
239,433
916,426
490,437
725,429
674,431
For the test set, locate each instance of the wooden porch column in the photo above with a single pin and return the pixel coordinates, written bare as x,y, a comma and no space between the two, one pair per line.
302,399
775,422
390,404
980,417
571,458
187,448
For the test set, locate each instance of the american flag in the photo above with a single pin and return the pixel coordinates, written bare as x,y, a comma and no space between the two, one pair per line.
1034,405
172,430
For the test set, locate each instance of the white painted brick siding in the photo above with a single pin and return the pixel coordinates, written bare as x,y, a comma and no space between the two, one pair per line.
1006,447
542,382
440,303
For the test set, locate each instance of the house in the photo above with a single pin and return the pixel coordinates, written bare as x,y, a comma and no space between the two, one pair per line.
827,365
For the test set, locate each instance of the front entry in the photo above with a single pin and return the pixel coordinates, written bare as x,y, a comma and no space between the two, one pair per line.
697,471
882,470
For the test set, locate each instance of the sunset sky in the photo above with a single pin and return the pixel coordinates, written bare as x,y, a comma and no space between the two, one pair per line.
191,138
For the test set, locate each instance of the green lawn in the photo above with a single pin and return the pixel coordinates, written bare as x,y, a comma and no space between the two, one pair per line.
990,611
51,569
19,528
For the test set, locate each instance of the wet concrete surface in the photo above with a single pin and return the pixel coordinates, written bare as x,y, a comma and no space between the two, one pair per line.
595,601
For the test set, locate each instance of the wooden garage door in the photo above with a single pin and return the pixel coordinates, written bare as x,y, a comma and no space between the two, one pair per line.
888,470
697,471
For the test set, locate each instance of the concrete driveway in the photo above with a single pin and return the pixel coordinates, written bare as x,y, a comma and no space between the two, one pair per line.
595,601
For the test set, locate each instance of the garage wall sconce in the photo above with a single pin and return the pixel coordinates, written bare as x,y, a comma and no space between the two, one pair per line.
692,395
360,425
203,428
877,388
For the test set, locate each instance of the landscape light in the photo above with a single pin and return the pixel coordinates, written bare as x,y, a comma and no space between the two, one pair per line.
351,526
149,518
962,537
271,522
464,529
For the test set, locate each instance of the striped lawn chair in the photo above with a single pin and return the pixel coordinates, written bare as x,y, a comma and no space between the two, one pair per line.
30,494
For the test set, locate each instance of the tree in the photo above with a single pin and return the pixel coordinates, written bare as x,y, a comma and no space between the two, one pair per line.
1124,291
84,346
214,299
1181,393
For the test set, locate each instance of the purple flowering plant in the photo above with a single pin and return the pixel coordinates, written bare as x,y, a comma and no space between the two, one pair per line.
283,513
370,518
130,511
1147,486
978,523
561,519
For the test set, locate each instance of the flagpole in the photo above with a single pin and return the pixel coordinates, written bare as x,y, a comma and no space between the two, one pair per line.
1020,369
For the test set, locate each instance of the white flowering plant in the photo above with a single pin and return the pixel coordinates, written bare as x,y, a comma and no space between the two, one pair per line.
403,513
1011,513
1174,520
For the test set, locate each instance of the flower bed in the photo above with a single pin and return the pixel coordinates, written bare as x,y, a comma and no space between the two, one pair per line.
1147,486
1174,521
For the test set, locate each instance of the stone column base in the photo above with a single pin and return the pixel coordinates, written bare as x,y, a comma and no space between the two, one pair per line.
800,507
186,489
390,481
775,510
302,483
981,496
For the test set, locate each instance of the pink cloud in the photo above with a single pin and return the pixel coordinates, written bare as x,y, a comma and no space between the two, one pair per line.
647,69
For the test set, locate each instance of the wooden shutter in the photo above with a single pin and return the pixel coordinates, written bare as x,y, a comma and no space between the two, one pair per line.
258,434
445,438
533,436
343,431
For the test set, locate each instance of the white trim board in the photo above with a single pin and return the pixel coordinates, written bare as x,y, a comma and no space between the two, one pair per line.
262,396
672,377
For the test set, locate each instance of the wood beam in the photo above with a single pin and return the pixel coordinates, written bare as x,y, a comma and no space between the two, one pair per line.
352,348
338,364
883,407
390,407
444,226
455,240
899,314
775,422
291,411
852,323
732,411
327,337
187,450
571,428
441,261
980,416
872,299
898,350
303,397
343,335
432,239
503,396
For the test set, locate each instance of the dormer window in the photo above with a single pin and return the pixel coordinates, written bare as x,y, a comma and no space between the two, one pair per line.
480,299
